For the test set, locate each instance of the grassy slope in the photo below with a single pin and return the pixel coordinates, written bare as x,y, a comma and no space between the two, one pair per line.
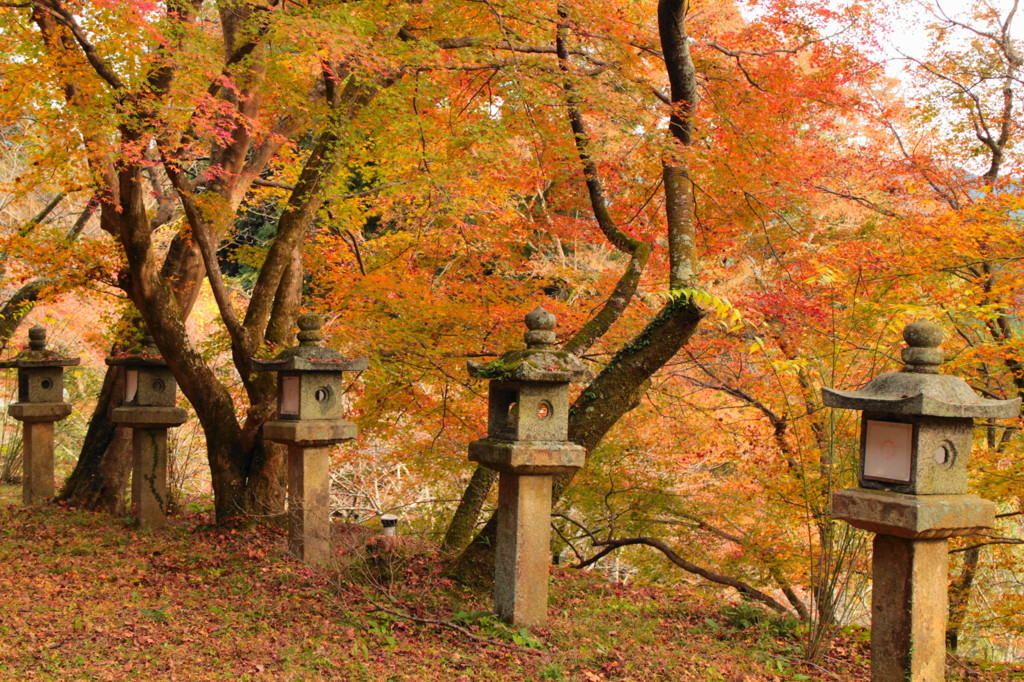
85,596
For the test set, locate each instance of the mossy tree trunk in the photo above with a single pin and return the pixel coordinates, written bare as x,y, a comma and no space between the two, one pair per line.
621,384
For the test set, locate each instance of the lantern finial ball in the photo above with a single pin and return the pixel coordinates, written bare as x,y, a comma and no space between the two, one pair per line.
309,329
37,337
922,353
923,334
540,325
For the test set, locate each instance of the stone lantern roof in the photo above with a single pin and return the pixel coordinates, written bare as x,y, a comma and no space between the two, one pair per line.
37,354
539,362
146,355
309,355
919,389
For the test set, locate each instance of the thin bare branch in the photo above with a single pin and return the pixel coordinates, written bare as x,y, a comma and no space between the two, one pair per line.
742,587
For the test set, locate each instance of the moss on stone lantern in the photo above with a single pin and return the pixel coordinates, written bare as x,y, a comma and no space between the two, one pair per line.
527,443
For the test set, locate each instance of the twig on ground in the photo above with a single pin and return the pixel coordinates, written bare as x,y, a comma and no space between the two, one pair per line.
437,622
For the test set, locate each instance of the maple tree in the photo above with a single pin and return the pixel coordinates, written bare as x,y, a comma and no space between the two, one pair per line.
424,173
958,152
138,146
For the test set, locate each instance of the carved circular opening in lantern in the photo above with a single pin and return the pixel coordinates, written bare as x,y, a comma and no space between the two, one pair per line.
944,454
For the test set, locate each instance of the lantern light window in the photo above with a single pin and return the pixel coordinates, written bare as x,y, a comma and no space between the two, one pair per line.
888,448
289,403
131,385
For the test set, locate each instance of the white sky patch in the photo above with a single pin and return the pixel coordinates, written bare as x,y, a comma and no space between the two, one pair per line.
910,38
494,108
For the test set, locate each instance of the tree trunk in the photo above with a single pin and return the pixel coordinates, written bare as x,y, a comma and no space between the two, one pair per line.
104,464
620,386
959,596
460,529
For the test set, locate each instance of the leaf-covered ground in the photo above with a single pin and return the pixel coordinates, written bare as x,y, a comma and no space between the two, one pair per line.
86,596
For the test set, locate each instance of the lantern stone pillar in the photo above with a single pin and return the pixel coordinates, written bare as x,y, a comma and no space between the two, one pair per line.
149,410
309,421
916,436
40,404
527,443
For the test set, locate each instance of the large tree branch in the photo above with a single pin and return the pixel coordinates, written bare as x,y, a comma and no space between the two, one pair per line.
305,200
638,250
202,237
17,307
64,17
679,199
595,188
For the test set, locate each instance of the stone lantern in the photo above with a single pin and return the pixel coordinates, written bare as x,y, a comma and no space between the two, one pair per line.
310,419
40,404
916,435
149,409
389,524
527,443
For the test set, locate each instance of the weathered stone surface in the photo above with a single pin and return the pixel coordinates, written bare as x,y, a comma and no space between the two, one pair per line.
155,387
37,462
521,410
540,362
309,355
908,609
149,475
139,417
523,550
309,504
37,355
939,455
921,476
935,395
911,516
310,417
556,366
40,384
39,412
40,404
527,457
40,370
316,395
311,374
309,432
918,389
149,381
527,428
149,424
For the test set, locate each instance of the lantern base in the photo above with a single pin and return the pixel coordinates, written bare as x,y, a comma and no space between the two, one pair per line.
914,517
523,550
908,609
310,432
138,417
37,461
528,457
39,412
